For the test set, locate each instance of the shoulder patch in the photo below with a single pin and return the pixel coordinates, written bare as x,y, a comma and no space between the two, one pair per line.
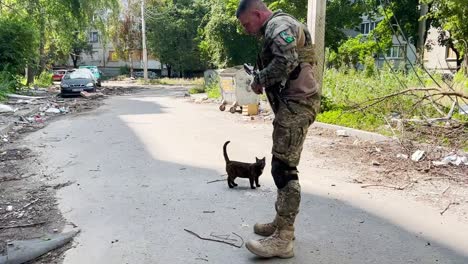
287,37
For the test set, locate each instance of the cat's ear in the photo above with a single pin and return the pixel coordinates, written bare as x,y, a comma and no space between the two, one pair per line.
257,159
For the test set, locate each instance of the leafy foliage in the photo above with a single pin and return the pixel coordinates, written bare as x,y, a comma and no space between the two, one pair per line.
173,32
16,39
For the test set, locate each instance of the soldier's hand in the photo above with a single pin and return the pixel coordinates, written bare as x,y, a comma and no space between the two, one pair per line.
256,88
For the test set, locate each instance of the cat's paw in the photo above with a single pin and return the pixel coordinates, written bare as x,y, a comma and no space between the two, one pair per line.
258,185
253,187
235,184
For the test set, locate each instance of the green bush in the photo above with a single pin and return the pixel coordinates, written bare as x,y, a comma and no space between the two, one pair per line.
196,90
213,90
8,83
43,80
124,70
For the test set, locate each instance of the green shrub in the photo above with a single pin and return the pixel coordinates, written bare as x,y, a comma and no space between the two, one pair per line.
124,70
213,90
44,79
196,90
8,83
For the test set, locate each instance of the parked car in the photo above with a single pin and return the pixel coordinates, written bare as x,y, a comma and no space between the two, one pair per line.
57,75
96,73
78,81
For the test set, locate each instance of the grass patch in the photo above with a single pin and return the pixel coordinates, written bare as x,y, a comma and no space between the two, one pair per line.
44,80
344,93
196,90
213,90
358,120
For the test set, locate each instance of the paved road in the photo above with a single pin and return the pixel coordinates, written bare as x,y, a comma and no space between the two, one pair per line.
140,166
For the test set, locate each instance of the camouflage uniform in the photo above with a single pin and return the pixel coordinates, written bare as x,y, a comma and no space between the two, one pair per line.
285,67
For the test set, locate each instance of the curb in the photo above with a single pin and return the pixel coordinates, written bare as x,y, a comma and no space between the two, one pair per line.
4,129
360,134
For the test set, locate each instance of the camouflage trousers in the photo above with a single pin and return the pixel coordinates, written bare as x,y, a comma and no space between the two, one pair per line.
289,133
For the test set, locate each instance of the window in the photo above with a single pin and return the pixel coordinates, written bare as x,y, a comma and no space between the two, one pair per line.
93,37
395,52
367,27
450,54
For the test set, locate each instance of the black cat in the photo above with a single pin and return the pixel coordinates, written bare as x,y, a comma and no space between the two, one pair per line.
237,169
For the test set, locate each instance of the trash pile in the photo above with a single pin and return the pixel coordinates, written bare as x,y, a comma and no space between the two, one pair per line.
24,113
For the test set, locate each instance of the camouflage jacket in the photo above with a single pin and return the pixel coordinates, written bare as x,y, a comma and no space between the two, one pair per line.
286,48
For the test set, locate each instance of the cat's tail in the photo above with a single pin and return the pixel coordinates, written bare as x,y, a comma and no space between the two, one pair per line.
226,158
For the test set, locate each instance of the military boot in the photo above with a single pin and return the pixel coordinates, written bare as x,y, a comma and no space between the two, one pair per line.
280,243
266,229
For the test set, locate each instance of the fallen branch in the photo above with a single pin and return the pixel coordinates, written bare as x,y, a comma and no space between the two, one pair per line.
215,240
399,188
18,226
223,237
215,181
448,206
240,239
446,189
29,204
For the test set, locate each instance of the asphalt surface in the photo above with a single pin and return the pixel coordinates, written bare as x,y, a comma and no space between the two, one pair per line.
140,166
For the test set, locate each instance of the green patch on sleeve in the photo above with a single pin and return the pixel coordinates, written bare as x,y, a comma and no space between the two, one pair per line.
287,37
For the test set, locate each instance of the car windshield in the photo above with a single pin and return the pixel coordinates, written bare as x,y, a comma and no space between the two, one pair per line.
92,69
78,75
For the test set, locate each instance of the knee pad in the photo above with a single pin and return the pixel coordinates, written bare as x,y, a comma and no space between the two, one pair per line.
282,173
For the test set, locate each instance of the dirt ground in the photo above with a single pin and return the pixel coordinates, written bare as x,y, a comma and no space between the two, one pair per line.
28,207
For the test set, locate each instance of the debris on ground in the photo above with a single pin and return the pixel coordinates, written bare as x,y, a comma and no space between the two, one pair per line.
452,159
342,133
91,95
19,252
6,109
225,239
418,155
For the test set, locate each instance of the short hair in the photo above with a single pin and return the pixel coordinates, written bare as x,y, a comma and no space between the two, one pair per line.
245,5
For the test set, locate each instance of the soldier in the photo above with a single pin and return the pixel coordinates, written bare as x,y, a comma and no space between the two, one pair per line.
285,70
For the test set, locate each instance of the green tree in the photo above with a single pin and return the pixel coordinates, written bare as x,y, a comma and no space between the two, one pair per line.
223,42
450,17
16,40
173,34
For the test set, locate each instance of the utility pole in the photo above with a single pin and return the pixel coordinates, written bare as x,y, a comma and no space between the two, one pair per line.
316,24
143,34
424,8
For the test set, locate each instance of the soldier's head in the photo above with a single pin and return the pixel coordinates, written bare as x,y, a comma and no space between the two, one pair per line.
252,14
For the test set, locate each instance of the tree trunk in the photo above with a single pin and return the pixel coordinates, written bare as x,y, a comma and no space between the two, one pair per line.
29,75
74,58
131,63
169,70
465,65
42,57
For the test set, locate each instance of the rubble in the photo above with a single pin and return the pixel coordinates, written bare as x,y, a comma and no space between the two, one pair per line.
7,109
342,133
53,110
453,159
402,156
417,155
91,95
